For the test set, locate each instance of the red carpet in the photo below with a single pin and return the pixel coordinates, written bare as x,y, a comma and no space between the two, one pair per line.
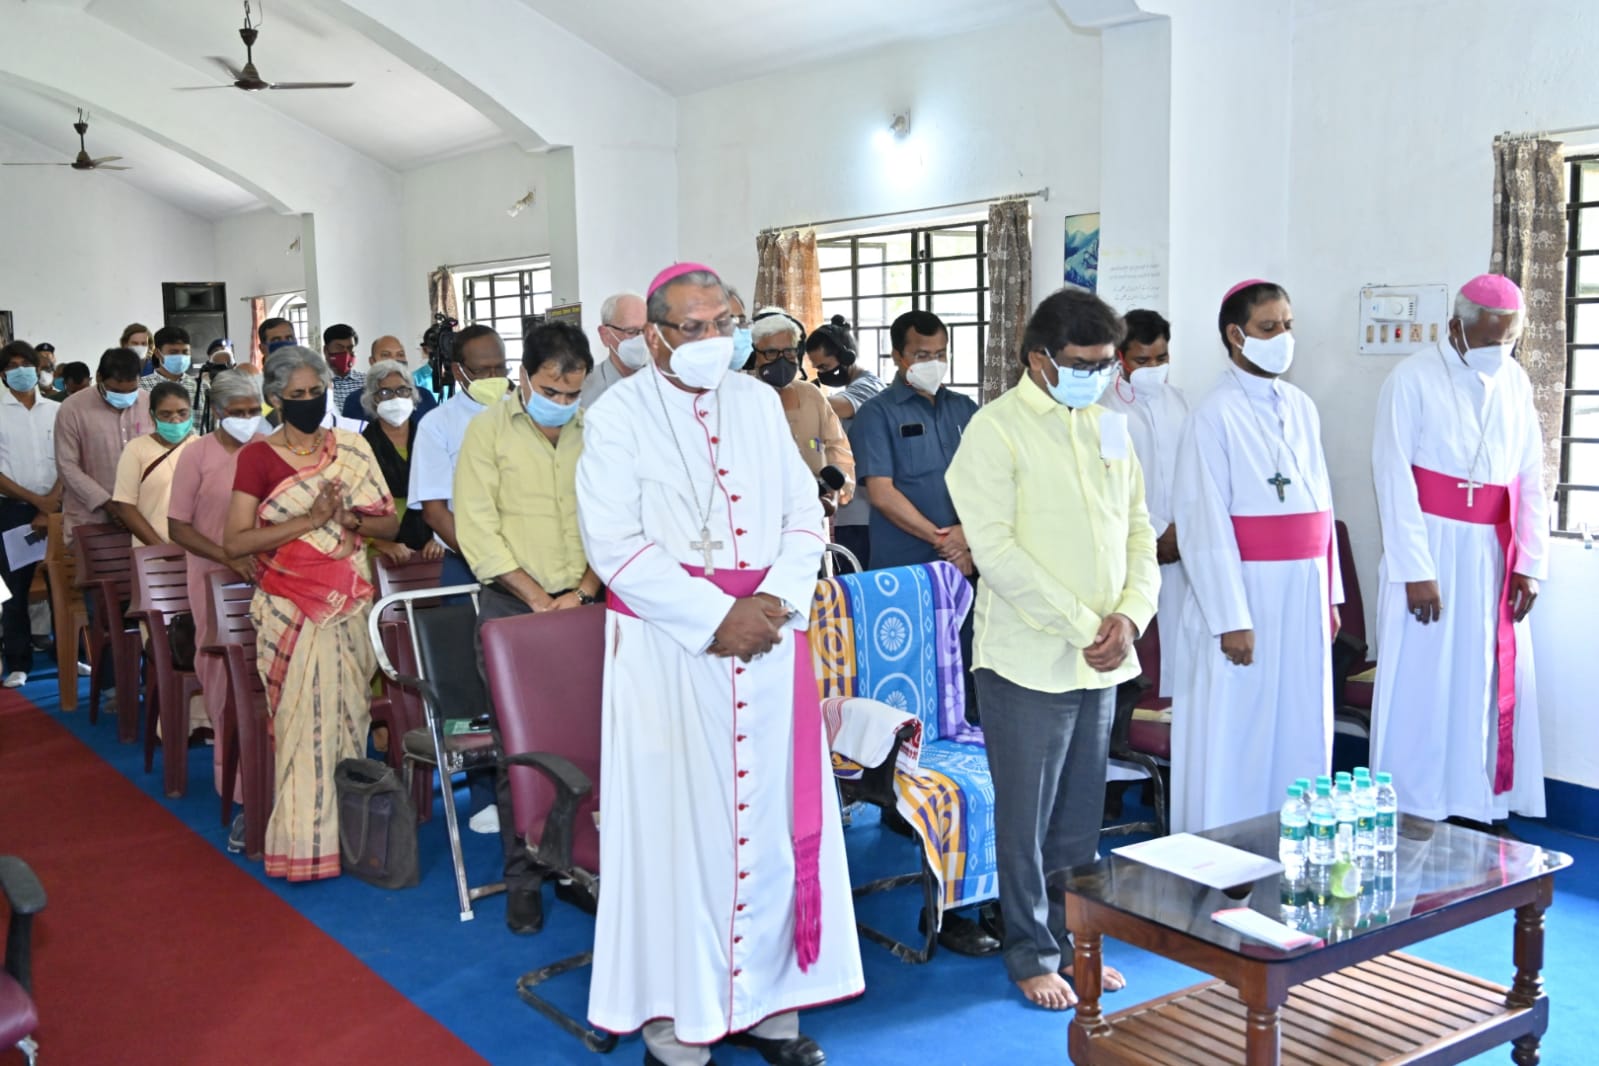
156,949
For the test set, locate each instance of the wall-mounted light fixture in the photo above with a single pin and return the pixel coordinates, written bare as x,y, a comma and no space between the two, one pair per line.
896,132
521,205
901,152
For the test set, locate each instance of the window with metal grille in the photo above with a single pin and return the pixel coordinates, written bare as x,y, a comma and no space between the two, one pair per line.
504,297
1579,430
873,278
294,309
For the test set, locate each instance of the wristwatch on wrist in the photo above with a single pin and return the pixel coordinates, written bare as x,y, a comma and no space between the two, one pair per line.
584,598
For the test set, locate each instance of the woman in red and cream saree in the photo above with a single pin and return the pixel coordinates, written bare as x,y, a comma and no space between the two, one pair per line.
303,504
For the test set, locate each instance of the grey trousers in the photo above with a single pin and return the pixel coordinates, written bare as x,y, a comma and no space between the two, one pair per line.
1047,754
661,1038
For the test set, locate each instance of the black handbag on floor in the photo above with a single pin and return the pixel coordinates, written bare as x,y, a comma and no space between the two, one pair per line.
377,824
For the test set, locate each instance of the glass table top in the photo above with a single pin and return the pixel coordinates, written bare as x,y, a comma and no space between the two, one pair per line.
1436,866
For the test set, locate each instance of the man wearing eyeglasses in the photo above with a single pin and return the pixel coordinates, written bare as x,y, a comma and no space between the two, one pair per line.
622,335
1052,498
390,348
903,440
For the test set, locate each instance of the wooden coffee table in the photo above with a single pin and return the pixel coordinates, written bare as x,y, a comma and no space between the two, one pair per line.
1356,999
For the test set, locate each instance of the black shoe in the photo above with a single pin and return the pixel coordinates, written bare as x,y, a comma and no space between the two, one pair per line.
796,1051
962,936
236,834
524,911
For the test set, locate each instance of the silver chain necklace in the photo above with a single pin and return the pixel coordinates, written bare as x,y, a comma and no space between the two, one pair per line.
705,545
1277,481
1471,484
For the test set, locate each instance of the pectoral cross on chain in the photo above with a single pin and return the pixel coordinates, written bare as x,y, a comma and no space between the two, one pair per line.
1280,483
707,547
1471,488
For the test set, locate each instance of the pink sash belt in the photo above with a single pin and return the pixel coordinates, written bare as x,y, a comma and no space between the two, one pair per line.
1277,538
807,832
1444,496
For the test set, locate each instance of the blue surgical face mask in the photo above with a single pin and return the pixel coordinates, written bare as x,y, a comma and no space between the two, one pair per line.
175,364
120,400
1077,390
173,432
743,347
22,378
546,412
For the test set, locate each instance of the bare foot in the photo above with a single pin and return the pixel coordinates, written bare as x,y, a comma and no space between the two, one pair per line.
1110,978
1049,991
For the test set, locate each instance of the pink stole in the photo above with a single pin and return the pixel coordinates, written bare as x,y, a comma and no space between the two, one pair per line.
1443,496
807,832
1277,538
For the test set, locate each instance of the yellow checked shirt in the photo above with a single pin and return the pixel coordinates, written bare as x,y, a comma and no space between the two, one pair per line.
1059,534
515,498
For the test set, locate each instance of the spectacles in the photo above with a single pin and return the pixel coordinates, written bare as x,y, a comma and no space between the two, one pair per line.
627,332
694,329
791,354
1080,371
927,357
400,392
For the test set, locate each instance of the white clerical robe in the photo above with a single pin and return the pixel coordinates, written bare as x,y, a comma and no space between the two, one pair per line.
1242,734
1435,709
1155,421
696,912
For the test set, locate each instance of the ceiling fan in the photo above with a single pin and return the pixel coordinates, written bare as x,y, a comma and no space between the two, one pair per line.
247,77
82,162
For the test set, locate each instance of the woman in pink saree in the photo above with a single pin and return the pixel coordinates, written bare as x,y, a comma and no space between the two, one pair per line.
304,501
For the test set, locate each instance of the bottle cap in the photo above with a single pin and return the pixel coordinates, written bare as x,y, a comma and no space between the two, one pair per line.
1342,775
1362,770
1384,777
1320,778
1294,792
1346,786
1303,783
1323,787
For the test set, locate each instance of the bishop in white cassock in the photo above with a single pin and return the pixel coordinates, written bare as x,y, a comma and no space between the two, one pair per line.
1458,466
1155,411
696,930
1252,704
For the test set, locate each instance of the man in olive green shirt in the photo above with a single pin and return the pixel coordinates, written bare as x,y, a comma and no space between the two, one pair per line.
515,500
1052,501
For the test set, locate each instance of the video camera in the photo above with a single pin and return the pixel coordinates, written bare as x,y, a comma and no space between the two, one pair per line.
440,340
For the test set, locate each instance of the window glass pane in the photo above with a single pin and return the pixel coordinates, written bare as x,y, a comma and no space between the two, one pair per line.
1584,368
1585,320
1585,269
874,280
963,354
835,285
508,307
954,274
957,307
1582,465
838,307
1588,222
888,247
541,302
832,255
1583,415
961,241
1582,508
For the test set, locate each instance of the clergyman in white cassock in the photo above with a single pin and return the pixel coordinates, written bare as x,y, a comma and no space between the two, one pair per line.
1155,411
1457,459
1254,506
696,929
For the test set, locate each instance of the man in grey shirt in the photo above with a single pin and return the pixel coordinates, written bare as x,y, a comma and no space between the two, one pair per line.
622,335
831,350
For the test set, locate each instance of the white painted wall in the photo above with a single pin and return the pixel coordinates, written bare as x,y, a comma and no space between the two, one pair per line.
87,253
1002,110
1391,180
253,259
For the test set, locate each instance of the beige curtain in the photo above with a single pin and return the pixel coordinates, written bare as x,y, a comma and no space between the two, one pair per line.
441,294
786,275
1530,249
1010,292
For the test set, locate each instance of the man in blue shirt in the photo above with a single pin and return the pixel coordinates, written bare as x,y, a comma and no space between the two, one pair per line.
904,439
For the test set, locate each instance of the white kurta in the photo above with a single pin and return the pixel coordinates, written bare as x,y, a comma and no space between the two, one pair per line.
696,913
1242,734
1155,422
1435,710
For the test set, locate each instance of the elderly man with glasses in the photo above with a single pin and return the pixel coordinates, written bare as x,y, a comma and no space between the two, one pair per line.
779,343
733,911
622,335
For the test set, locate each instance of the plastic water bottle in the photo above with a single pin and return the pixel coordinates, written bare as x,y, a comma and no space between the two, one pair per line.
1323,831
1365,814
1387,810
1344,812
1294,828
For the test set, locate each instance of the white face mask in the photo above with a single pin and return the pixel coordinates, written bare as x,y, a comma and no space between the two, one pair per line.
928,376
633,352
701,364
242,430
1485,360
1274,356
1149,378
46,379
396,411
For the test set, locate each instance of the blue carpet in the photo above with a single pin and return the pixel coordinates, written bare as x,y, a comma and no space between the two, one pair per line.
954,1011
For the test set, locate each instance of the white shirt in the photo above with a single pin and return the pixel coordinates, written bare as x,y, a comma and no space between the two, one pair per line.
27,441
1154,421
439,434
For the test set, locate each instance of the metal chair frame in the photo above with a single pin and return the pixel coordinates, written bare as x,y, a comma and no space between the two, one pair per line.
447,763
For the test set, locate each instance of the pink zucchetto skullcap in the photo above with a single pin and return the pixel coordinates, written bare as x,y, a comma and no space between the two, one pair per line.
1242,285
1493,292
675,271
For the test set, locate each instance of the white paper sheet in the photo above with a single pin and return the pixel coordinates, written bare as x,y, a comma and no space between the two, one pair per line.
24,545
1199,859
1257,926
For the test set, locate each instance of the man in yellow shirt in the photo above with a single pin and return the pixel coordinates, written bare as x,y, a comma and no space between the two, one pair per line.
1052,501
515,498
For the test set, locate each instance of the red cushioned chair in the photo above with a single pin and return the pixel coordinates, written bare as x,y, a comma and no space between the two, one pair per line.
550,730
400,708
104,557
1351,699
1142,744
18,1015
246,729
161,595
